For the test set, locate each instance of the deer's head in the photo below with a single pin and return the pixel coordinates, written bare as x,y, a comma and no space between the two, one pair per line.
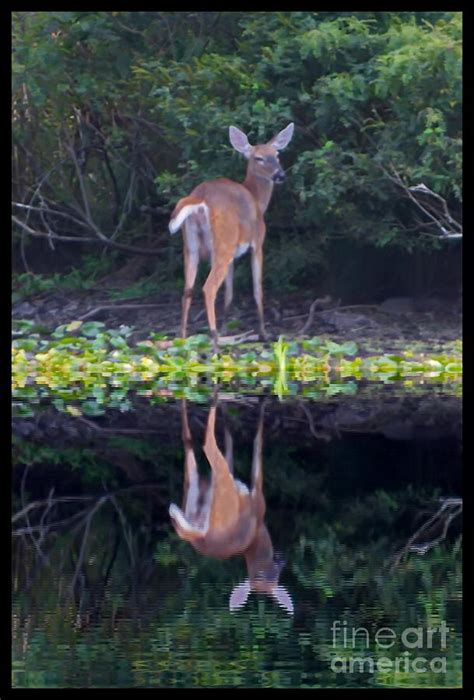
263,578
263,158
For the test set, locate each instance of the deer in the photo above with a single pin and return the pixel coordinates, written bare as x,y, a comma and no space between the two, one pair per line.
221,517
223,219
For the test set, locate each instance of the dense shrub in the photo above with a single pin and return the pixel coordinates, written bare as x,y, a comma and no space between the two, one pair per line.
144,100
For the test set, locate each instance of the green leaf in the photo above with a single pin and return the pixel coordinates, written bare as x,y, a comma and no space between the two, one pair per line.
92,328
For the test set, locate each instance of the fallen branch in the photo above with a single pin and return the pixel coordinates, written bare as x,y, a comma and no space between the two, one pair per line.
324,301
318,434
116,307
116,431
234,339
335,308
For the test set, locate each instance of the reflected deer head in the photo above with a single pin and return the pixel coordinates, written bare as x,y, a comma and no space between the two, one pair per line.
221,517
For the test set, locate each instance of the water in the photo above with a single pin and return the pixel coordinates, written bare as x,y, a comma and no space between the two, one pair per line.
343,563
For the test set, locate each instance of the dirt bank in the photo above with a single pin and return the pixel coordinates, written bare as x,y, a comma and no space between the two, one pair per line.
376,327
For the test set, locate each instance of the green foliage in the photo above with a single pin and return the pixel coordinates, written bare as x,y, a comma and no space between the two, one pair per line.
366,90
99,366
91,268
26,284
141,288
93,468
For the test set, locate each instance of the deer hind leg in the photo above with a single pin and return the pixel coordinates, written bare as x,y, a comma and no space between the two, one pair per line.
224,227
257,264
191,261
228,441
226,492
211,287
229,293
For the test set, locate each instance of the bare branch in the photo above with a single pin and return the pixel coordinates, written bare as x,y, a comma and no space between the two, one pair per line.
85,537
85,198
39,504
449,227
318,434
42,234
100,241
44,219
118,307
127,29
439,522
426,210
126,208
320,302
53,212
426,190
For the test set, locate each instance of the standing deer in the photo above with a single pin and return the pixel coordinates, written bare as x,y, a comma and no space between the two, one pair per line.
222,518
223,219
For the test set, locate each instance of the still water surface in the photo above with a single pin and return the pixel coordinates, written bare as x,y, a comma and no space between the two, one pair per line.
250,544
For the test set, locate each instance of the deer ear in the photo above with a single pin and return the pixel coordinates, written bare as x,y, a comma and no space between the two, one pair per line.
281,140
239,141
239,595
283,598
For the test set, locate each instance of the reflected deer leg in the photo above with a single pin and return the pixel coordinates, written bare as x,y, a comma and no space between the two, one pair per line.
219,465
228,441
257,475
191,476
229,449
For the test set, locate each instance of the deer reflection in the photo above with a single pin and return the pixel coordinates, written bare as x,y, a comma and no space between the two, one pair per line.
222,517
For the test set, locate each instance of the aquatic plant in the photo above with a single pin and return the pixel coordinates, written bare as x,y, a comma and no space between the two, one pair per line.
81,360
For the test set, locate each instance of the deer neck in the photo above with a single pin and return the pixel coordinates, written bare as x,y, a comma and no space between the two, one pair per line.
260,188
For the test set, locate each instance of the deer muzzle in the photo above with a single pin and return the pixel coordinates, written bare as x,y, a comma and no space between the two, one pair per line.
279,176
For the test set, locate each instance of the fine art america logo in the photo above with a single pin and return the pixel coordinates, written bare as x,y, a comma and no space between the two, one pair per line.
413,639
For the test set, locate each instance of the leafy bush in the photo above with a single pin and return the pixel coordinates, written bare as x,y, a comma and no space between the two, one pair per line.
146,98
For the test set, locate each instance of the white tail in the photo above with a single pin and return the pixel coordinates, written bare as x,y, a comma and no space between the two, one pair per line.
222,517
222,219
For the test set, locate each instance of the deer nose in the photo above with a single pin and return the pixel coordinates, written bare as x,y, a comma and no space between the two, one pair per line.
279,176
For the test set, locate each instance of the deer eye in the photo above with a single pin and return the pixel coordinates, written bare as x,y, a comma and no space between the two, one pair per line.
260,159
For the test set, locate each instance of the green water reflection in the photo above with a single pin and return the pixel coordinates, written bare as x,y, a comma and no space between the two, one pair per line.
107,594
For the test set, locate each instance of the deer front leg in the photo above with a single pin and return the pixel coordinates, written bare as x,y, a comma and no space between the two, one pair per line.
257,264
